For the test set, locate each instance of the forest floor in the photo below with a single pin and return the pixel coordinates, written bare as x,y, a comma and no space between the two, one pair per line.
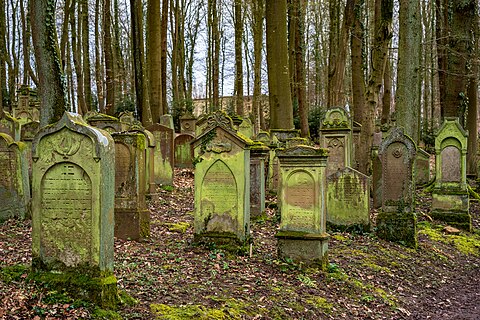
170,278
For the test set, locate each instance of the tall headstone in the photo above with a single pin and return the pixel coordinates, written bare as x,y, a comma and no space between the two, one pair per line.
132,218
104,121
397,219
14,182
336,136
258,156
28,132
348,200
163,154
422,167
302,196
222,183
376,171
183,153
150,185
450,194
72,208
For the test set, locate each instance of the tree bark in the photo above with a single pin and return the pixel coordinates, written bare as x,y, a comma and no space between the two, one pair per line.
238,22
109,59
87,78
258,13
154,56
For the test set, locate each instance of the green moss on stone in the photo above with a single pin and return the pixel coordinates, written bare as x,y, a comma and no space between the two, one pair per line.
180,227
398,227
468,244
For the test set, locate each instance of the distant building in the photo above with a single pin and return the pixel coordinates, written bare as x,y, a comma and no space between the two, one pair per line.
200,106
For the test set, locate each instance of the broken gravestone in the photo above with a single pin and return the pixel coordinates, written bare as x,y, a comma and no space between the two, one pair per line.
302,202
222,184
397,219
450,194
72,209
132,218
14,182
348,200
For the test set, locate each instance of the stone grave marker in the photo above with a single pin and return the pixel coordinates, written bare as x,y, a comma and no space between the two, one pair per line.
396,221
302,203
126,120
245,128
167,121
28,132
183,150
348,200
336,136
258,155
26,108
450,202
132,218
187,124
422,167
222,184
356,131
10,126
73,209
376,171
104,121
14,182
163,154
150,185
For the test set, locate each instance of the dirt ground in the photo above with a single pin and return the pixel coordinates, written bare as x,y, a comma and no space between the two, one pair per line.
170,278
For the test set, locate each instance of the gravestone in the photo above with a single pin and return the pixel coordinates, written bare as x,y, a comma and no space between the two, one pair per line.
258,155
336,136
132,218
348,200
126,120
104,121
72,209
163,154
14,182
183,150
200,125
28,132
245,128
167,121
376,171
356,131
302,203
9,125
422,167
222,184
283,134
150,185
187,124
26,108
396,220
450,201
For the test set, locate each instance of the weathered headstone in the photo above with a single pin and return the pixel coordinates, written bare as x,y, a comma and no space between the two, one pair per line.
14,182
348,200
450,194
302,196
163,154
28,132
183,150
10,126
126,120
422,167
356,131
26,108
336,136
200,125
72,209
258,155
150,185
187,124
246,128
167,121
283,134
222,184
132,218
376,171
396,221
104,121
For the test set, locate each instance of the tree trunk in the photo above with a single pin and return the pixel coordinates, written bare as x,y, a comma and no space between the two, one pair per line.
108,56
154,56
87,78
387,92
3,52
356,43
238,22
163,62
98,63
281,109
258,12
77,60
51,87
407,98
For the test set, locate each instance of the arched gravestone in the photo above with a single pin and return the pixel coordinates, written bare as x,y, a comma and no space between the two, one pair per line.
103,121
450,194
163,154
72,207
222,183
396,220
14,183
183,152
336,136
302,197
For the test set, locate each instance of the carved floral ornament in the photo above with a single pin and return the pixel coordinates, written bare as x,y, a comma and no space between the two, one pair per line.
397,152
68,146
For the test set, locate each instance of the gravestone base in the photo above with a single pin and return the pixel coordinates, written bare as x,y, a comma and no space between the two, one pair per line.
452,208
96,286
223,240
308,248
132,224
398,227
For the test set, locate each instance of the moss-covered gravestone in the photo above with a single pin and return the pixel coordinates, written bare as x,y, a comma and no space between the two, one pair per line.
336,136
14,182
150,185
422,167
397,220
258,155
26,108
376,171
183,150
450,195
163,154
28,132
9,125
348,200
72,209
302,201
200,125
167,121
126,120
132,218
222,184
245,128
187,124
104,121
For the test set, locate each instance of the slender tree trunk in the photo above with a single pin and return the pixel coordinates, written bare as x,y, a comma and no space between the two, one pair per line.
238,21
98,63
51,87
3,52
87,83
163,62
407,98
109,59
154,53
258,13
358,64
387,92
77,59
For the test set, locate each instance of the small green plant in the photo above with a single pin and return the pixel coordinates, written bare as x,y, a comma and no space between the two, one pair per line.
167,188
307,281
